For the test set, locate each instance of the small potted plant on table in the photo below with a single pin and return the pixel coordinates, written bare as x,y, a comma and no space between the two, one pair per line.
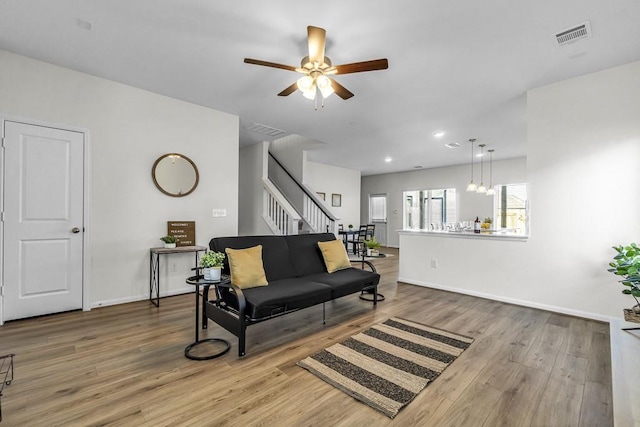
373,247
169,241
212,264
627,265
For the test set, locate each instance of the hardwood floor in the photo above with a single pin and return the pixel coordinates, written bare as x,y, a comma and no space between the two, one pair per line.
124,365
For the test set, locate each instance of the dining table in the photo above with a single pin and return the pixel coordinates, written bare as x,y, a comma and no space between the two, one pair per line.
346,239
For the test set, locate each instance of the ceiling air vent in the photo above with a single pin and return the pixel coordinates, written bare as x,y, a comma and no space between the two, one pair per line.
574,34
264,130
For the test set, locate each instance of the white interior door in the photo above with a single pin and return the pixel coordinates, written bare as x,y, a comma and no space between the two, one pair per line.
43,220
378,216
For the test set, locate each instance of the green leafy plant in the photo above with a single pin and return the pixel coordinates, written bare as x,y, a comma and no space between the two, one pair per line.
372,243
488,220
350,226
212,259
168,239
627,265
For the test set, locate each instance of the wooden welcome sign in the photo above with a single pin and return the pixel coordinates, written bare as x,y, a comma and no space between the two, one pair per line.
183,231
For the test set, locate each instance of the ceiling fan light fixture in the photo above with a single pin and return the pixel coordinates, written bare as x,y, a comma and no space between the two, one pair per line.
310,93
324,84
305,83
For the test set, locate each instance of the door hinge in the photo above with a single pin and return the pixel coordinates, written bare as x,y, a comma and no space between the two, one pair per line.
3,142
1,290
2,216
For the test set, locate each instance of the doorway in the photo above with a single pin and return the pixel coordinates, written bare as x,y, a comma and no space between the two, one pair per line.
378,216
43,219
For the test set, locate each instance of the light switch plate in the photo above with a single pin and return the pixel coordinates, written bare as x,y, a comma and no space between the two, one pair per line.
217,213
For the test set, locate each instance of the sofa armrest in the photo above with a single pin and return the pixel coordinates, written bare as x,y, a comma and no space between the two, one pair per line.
363,262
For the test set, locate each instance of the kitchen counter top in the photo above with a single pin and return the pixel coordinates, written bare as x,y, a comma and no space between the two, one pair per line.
490,235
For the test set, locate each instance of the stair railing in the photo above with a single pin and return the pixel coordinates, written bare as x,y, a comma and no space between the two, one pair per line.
317,216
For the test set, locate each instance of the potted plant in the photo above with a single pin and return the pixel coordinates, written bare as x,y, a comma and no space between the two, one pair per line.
627,265
486,223
169,241
212,263
350,227
372,247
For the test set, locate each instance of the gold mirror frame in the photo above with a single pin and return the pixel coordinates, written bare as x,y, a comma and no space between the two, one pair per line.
165,177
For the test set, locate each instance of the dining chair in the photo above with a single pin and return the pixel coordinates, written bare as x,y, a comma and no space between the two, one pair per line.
358,244
371,230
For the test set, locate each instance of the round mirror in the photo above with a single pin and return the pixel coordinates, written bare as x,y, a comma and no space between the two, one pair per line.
175,175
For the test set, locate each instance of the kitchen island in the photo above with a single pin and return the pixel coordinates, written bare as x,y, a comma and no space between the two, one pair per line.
488,265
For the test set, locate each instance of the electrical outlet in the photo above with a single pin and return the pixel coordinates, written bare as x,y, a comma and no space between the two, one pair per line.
217,213
434,263
174,268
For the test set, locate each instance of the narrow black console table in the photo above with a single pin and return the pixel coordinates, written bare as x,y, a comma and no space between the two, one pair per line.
198,281
154,267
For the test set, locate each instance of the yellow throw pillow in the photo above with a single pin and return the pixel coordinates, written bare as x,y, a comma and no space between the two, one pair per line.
335,255
247,270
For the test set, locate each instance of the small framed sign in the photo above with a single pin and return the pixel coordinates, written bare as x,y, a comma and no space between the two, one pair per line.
183,231
321,195
336,200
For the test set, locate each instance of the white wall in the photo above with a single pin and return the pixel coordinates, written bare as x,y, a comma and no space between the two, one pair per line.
252,170
336,180
129,129
469,205
582,166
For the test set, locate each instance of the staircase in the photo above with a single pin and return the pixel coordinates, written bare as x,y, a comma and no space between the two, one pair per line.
290,207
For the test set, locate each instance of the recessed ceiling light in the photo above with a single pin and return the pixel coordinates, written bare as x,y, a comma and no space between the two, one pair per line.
417,167
452,145
438,133
387,159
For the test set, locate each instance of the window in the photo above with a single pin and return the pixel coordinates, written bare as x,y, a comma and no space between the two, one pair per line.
511,209
429,209
378,208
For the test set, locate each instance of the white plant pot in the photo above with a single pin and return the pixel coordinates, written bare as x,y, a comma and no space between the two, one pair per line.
369,252
212,273
169,245
375,252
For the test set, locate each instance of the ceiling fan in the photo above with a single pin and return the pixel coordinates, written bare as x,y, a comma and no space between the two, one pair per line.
317,68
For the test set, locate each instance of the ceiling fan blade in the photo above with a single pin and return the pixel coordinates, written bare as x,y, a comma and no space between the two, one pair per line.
340,90
316,38
288,91
269,64
359,67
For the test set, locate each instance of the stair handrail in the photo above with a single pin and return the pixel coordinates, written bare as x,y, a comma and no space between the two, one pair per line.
290,225
313,197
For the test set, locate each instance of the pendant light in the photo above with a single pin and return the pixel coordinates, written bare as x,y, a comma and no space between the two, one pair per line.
482,188
472,185
491,191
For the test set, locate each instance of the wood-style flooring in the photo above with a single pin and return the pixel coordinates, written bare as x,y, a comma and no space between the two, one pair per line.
124,365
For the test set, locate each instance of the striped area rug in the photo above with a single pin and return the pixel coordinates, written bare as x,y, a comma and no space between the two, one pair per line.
387,365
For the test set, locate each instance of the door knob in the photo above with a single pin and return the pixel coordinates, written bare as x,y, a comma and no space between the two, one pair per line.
75,230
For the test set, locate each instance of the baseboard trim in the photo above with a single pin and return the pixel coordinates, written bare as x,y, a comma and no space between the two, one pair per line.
136,298
524,303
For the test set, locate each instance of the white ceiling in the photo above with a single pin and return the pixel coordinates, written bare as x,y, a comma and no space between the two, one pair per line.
460,66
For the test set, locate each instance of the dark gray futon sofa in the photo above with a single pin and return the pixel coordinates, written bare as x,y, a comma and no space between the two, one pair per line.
297,278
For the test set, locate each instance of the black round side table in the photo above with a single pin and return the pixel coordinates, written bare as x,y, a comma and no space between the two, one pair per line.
198,281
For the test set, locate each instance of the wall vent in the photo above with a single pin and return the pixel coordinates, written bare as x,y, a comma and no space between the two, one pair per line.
573,34
264,130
